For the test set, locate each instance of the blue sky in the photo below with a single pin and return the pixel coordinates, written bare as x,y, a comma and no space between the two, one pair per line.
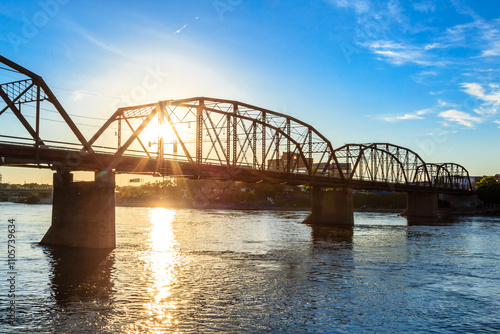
422,74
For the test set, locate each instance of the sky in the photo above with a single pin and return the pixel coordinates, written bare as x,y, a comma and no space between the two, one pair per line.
421,74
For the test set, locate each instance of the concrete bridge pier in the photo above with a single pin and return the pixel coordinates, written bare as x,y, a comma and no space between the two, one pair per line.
333,208
421,207
83,213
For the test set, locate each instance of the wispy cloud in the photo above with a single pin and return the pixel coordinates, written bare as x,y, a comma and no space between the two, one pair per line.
424,75
460,117
97,42
498,122
389,31
462,8
409,116
493,51
424,6
396,10
479,35
399,54
443,103
360,6
446,51
490,95
400,118
439,133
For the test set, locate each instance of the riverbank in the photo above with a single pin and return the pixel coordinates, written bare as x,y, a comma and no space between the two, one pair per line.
184,204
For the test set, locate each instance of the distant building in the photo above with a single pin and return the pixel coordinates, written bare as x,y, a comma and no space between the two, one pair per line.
344,167
474,180
296,162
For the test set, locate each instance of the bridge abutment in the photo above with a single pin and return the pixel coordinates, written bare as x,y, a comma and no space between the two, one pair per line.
333,208
83,213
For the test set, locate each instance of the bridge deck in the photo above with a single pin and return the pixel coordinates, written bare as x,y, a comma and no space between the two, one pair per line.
54,158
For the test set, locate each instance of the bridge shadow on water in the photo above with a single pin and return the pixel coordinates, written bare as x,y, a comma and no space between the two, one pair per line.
79,275
335,235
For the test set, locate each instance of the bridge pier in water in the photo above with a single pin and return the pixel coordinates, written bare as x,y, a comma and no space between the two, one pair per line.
333,208
83,213
421,208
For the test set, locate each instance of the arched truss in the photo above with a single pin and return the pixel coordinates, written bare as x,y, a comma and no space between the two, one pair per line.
208,131
226,133
410,162
449,176
381,163
384,162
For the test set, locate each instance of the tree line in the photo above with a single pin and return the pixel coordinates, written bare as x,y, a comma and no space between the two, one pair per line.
488,190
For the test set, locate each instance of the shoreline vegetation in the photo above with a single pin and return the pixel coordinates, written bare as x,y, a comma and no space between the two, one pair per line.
209,194
178,204
206,194
243,196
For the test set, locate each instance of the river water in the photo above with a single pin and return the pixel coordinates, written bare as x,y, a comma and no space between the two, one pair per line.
202,271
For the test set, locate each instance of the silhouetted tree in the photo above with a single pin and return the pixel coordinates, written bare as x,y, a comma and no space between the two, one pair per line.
488,190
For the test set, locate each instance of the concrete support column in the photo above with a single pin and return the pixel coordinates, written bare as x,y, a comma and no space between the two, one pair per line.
421,205
332,208
83,213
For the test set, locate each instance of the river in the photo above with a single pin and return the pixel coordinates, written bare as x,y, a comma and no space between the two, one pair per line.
202,271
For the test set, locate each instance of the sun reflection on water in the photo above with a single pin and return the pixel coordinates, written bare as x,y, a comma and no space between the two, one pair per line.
163,263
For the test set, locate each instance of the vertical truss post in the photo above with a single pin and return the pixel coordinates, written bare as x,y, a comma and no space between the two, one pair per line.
199,132
263,141
119,132
37,125
228,137
277,150
309,164
254,145
288,153
235,134
161,139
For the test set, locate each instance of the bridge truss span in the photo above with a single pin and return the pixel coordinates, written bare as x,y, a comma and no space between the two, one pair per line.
208,131
204,137
449,176
397,165
30,90
376,163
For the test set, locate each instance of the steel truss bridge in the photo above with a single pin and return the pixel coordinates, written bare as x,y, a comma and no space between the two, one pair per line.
210,138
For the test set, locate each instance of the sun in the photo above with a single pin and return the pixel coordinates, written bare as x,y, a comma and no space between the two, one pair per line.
166,132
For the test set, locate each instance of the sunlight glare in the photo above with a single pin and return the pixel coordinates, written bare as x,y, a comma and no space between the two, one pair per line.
165,131
164,265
